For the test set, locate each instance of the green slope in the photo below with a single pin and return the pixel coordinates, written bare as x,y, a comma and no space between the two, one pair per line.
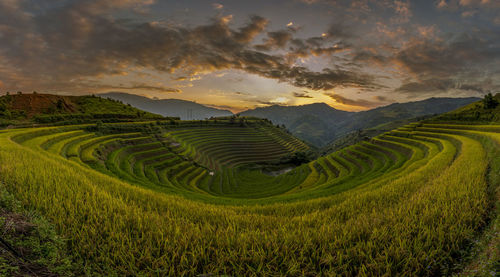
181,198
474,113
22,109
320,124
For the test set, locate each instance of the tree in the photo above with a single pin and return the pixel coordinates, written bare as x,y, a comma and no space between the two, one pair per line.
19,92
60,104
489,101
8,93
34,92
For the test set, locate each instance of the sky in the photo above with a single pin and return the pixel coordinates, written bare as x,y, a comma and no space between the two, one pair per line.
353,55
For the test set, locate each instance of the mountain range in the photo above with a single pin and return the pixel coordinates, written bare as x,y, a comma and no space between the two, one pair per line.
318,123
186,110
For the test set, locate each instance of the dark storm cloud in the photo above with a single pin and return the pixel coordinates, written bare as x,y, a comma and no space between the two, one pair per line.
381,98
340,31
426,85
143,86
443,85
363,56
80,39
444,58
274,40
438,65
301,95
352,102
134,86
314,46
62,44
247,33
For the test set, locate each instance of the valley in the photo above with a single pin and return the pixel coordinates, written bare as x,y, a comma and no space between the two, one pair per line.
190,197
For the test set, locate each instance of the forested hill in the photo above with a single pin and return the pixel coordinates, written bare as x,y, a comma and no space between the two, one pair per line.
487,111
19,109
319,123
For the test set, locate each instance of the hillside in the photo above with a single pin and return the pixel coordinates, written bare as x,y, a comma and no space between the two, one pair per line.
366,134
474,112
22,109
320,124
186,110
313,123
185,197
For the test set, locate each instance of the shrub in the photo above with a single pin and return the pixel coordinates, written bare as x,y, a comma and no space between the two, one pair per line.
489,101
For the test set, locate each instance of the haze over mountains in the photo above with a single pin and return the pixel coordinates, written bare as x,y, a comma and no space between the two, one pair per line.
316,123
186,110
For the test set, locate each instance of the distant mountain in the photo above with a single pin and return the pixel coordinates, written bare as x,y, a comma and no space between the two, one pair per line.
320,124
398,111
186,110
312,123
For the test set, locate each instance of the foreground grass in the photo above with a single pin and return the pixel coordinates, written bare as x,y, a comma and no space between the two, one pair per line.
418,220
29,244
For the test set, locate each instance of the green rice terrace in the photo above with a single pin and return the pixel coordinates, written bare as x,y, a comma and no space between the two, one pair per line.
187,198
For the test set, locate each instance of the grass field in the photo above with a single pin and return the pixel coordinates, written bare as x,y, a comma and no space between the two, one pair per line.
186,199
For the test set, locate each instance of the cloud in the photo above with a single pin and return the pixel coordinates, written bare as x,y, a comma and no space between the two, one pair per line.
380,98
315,46
309,1
461,55
441,4
427,85
241,93
436,85
301,95
454,5
466,2
247,33
275,40
64,46
277,101
403,11
469,13
222,107
339,30
140,86
79,41
217,6
352,102
155,88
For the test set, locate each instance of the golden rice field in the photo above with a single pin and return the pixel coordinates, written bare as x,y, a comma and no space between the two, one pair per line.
183,201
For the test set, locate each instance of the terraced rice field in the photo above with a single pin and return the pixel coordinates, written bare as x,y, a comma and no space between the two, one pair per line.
182,202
